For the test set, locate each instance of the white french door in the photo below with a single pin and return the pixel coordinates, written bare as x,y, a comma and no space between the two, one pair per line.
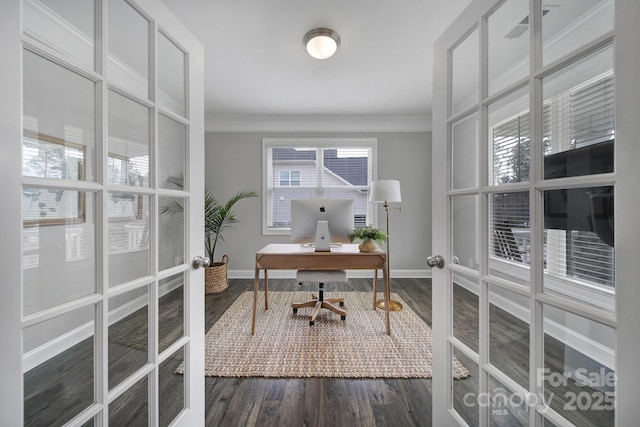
536,130
102,311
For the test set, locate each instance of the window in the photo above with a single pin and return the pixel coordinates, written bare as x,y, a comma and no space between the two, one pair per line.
578,137
289,178
316,168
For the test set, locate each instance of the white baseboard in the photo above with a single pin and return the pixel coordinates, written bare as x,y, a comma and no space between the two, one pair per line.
64,342
291,274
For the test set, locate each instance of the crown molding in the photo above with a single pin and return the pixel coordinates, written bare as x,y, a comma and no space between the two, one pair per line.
318,123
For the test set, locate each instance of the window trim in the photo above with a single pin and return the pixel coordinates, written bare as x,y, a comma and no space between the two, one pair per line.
324,143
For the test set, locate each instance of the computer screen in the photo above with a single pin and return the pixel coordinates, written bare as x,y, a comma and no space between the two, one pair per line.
306,213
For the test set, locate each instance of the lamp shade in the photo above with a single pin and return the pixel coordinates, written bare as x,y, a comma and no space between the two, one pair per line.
386,190
321,43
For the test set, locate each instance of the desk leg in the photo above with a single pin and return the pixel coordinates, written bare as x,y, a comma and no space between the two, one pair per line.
266,290
387,297
256,282
375,288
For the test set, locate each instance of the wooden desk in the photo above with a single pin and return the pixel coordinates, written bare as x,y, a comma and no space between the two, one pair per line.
293,256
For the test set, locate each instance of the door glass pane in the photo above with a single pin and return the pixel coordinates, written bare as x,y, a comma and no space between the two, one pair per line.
59,120
171,311
128,237
171,232
508,47
59,361
579,245
129,142
579,124
171,76
506,408
466,310
128,334
510,236
465,145
579,371
172,146
58,247
171,387
131,408
509,333
68,27
464,231
128,42
465,73
466,398
509,154
569,24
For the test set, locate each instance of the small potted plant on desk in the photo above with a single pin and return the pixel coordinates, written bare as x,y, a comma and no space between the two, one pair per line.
217,218
369,237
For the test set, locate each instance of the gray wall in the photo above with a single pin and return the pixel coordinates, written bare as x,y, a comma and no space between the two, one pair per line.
234,162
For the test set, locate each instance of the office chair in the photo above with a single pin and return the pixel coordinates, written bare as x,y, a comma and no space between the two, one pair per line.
321,277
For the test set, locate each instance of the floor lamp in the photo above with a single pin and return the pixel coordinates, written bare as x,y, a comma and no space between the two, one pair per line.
387,191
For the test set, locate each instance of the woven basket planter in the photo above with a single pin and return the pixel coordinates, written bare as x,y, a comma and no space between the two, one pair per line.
215,276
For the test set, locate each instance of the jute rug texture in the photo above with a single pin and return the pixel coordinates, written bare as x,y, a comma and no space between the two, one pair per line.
285,346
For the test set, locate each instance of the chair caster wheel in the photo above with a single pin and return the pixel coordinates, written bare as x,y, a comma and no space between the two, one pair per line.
341,303
343,317
295,310
311,323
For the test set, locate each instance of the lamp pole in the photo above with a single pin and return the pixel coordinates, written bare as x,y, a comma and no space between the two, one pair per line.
393,305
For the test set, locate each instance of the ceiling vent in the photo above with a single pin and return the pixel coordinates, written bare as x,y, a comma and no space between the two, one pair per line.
522,26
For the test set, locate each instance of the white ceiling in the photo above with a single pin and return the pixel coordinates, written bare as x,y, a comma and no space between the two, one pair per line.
259,77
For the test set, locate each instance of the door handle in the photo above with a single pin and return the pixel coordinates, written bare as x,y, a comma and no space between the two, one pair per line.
201,262
435,261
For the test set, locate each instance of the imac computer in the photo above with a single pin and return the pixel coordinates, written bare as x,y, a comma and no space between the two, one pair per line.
321,222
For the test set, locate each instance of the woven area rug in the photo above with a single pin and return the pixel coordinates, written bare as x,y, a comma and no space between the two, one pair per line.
285,346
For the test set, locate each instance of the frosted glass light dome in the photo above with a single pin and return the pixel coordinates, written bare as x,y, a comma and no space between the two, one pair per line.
321,43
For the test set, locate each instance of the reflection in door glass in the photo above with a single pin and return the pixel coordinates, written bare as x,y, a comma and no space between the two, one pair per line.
171,76
509,333
579,244
579,368
506,408
68,27
509,233
508,44
65,379
464,152
59,122
170,311
172,387
509,145
464,75
466,310
129,142
568,25
466,397
128,41
579,118
131,408
464,212
128,334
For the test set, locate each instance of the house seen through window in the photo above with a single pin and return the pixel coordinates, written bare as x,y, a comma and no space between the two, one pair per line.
334,168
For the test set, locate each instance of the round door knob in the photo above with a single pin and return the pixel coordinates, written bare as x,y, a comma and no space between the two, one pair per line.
201,262
435,261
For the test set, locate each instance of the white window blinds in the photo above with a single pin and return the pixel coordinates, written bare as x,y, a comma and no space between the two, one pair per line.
315,169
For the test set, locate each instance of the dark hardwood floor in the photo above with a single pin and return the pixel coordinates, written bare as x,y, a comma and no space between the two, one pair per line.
319,401
56,390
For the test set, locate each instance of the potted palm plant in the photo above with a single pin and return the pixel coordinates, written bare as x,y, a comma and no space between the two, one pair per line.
218,218
369,237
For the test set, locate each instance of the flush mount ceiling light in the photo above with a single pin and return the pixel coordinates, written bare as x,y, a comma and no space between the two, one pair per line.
321,43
